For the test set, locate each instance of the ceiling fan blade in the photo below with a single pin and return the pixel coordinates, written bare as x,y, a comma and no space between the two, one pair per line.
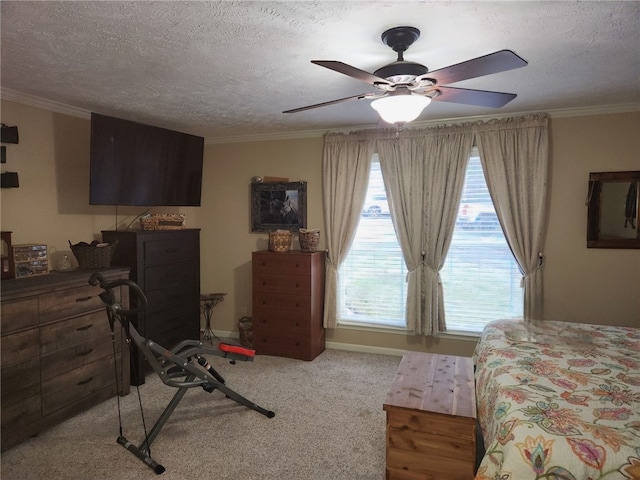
480,98
351,71
331,102
496,62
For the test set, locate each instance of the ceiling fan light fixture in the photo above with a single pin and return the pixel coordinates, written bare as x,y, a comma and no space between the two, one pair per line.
400,107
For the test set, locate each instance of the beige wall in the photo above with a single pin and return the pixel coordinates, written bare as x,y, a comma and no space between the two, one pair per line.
593,285
51,206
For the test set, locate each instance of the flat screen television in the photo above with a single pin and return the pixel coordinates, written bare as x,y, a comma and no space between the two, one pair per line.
142,165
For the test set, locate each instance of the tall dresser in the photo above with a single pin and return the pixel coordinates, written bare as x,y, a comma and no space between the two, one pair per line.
57,350
166,266
288,300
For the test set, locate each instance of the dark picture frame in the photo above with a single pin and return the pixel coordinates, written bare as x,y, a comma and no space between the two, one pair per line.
613,210
278,206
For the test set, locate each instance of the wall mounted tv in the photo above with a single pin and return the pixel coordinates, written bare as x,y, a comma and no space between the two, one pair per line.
136,164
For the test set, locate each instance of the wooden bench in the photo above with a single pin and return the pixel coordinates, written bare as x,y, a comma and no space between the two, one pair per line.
431,419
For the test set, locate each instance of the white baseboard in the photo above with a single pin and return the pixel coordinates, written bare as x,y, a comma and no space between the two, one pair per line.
351,347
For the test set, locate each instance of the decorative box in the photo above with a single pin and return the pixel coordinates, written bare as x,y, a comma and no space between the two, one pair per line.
30,260
162,221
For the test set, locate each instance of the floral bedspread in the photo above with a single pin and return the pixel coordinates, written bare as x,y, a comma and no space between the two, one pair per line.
558,401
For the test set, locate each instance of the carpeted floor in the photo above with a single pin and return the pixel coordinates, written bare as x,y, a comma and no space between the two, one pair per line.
329,424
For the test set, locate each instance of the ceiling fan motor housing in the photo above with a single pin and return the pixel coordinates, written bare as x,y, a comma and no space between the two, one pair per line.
401,68
401,71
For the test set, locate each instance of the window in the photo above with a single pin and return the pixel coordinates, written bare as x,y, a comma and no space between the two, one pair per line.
481,279
372,287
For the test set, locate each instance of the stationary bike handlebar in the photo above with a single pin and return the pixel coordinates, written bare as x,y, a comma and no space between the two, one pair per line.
109,298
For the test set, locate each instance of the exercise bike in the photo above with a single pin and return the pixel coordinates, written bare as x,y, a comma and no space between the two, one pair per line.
183,367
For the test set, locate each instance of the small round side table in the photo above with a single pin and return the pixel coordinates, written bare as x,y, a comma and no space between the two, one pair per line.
207,303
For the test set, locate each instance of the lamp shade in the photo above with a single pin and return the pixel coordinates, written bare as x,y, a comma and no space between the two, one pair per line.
400,108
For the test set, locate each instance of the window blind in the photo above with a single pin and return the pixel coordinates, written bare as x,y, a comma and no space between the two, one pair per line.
481,279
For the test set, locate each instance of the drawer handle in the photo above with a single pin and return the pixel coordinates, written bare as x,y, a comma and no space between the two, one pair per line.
264,283
172,250
86,327
85,353
83,299
84,382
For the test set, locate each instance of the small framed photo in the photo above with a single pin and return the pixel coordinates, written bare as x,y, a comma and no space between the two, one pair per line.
278,206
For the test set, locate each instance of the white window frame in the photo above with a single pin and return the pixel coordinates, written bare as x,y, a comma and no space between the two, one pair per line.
353,319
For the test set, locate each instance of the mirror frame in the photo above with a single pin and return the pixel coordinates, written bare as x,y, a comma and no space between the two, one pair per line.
596,181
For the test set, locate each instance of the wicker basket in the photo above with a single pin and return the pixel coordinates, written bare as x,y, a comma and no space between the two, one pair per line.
92,257
162,221
309,239
280,241
245,328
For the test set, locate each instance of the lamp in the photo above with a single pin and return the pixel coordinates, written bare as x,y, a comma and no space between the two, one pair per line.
400,106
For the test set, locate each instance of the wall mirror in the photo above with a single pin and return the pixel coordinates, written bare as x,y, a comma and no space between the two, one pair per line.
613,217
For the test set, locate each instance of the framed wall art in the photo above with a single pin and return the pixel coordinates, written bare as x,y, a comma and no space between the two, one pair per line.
613,213
278,206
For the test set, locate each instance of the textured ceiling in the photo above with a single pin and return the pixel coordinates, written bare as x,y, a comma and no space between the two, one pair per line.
227,68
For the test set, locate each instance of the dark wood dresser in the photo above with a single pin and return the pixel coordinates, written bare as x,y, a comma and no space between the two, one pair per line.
288,301
57,352
166,266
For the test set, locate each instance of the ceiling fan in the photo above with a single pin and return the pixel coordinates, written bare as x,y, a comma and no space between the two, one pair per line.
409,85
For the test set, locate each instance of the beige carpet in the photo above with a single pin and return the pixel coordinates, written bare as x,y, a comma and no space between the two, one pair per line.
329,424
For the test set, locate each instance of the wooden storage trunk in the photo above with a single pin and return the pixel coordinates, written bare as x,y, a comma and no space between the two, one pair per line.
431,419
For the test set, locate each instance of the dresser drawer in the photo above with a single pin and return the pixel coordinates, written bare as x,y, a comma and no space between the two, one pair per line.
80,354
292,304
176,276
20,382
70,302
295,325
17,416
282,263
283,343
75,331
20,400
21,346
19,314
274,282
171,250
184,318
160,300
61,391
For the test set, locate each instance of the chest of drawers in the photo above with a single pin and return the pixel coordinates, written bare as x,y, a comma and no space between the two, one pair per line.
288,297
166,266
57,352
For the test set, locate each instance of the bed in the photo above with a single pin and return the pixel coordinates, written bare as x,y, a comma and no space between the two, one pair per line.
558,401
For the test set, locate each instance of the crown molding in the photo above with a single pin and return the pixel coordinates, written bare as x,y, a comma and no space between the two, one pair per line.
557,113
43,103
57,107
